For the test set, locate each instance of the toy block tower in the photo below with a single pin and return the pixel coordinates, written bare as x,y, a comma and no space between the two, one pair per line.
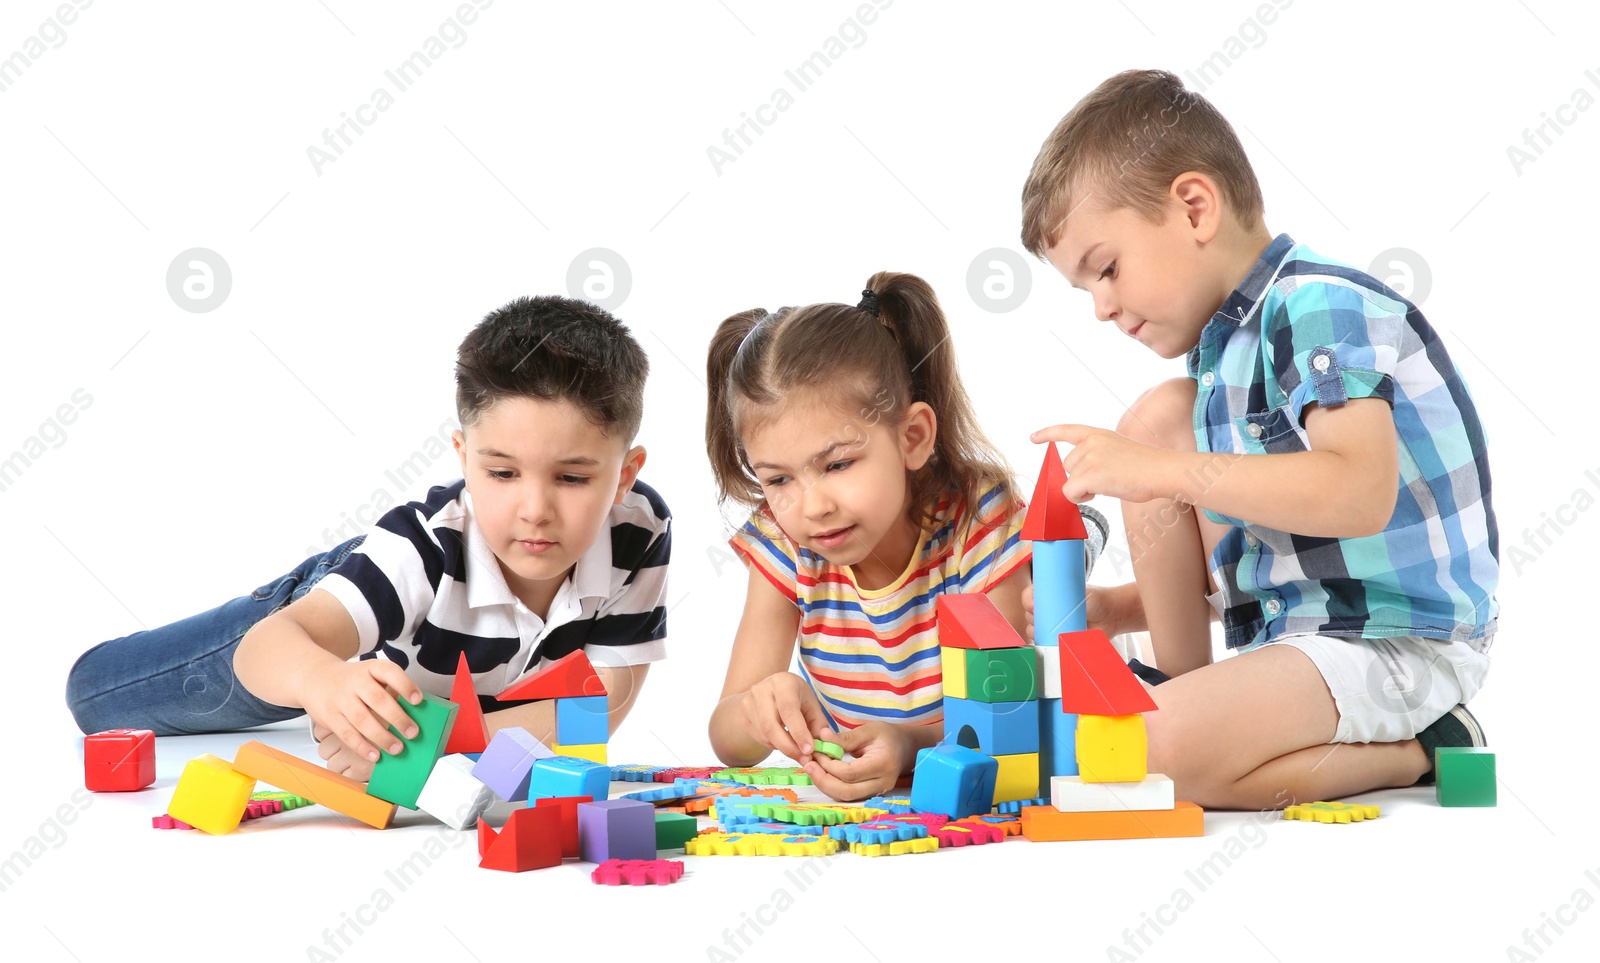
583,724
1055,527
990,692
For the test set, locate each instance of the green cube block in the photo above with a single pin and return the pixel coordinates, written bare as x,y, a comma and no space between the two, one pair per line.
1000,675
675,829
1464,776
399,779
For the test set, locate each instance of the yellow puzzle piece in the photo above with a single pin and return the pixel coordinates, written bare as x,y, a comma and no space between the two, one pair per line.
899,847
759,844
1330,812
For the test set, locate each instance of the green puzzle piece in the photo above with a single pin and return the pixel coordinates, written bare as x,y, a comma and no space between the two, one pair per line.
399,779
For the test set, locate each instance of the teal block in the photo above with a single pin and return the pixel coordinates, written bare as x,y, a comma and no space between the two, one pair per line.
1058,741
582,721
1059,590
953,780
1464,776
399,779
998,728
569,776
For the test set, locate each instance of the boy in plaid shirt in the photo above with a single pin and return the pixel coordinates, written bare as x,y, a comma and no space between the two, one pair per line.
1318,480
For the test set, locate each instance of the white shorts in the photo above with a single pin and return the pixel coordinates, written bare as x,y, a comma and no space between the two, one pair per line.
1388,690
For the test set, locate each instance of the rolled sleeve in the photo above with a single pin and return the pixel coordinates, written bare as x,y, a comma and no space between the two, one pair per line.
1331,343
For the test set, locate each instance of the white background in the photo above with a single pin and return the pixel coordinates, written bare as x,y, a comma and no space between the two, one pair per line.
219,446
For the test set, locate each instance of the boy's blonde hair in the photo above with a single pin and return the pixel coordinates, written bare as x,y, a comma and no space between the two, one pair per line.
1125,143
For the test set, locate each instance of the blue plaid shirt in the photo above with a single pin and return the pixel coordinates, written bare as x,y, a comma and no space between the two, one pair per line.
1300,330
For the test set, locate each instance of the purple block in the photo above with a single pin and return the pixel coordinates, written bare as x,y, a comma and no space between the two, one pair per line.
616,829
507,763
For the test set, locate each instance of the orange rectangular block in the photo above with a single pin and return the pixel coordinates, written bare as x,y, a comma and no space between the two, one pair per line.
1046,824
293,774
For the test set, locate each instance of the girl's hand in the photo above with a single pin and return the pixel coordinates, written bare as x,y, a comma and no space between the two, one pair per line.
339,757
1099,608
356,701
781,712
882,752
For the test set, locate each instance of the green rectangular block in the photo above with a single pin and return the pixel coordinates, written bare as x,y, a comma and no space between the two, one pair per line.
675,829
1464,776
999,675
399,779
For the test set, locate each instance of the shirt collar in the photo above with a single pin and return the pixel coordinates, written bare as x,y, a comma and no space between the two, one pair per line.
486,583
1241,306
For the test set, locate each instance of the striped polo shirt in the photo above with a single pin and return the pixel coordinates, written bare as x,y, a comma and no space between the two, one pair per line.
424,587
1302,329
873,654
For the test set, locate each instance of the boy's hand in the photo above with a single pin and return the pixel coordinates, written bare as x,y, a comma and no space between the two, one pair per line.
1103,462
339,757
781,713
882,752
356,702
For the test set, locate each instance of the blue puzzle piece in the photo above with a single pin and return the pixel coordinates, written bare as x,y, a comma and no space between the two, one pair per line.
890,804
879,832
1015,806
634,772
782,829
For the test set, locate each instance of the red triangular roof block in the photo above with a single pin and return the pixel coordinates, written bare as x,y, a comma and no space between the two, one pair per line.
567,677
1051,514
531,839
1095,680
470,733
970,621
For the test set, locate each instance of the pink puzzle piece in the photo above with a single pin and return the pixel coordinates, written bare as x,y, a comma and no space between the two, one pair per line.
638,872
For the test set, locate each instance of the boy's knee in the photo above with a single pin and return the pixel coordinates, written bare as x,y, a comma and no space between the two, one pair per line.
1177,752
1163,416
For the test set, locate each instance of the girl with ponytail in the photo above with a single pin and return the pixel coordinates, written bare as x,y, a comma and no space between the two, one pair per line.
846,433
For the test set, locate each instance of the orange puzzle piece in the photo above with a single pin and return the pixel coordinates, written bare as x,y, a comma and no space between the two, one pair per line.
1047,824
293,774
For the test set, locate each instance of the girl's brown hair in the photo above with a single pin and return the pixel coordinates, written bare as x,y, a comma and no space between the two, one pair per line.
875,366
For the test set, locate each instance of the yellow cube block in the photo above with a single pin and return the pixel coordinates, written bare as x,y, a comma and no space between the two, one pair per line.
1018,777
954,662
1112,748
211,796
594,752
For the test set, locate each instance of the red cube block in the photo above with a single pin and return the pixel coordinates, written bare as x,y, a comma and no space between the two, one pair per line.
119,760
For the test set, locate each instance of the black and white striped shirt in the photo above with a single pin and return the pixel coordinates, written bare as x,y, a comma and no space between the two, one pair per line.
424,587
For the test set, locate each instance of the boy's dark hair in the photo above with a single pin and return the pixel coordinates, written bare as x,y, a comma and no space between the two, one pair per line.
1126,142
554,348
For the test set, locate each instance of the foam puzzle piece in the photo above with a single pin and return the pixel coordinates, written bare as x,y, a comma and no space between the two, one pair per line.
582,720
1017,777
1058,741
288,799
931,820
1071,794
531,839
1464,776
634,772
453,795
567,806
953,780
399,778
507,764
1014,808
1007,825
998,728
823,747
673,830
899,848
1112,748
119,760
469,732
685,772
638,872
309,780
1330,812
1095,678
765,775
211,795
962,833
616,829
569,776
732,810
779,829
1051,514
878,831
969,620
1046,824
571,676
759,844
594,752
892,804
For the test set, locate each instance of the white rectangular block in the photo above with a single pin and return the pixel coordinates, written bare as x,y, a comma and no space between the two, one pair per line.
1070,794
1047,674
453,795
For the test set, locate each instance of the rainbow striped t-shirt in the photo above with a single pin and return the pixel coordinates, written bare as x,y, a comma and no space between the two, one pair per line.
873,654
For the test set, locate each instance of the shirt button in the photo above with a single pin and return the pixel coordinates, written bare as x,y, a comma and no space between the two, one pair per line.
1320,362
1255,431
1251,540
1273,606
1208,379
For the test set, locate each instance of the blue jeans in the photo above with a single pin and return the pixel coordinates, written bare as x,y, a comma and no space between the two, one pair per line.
178,679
